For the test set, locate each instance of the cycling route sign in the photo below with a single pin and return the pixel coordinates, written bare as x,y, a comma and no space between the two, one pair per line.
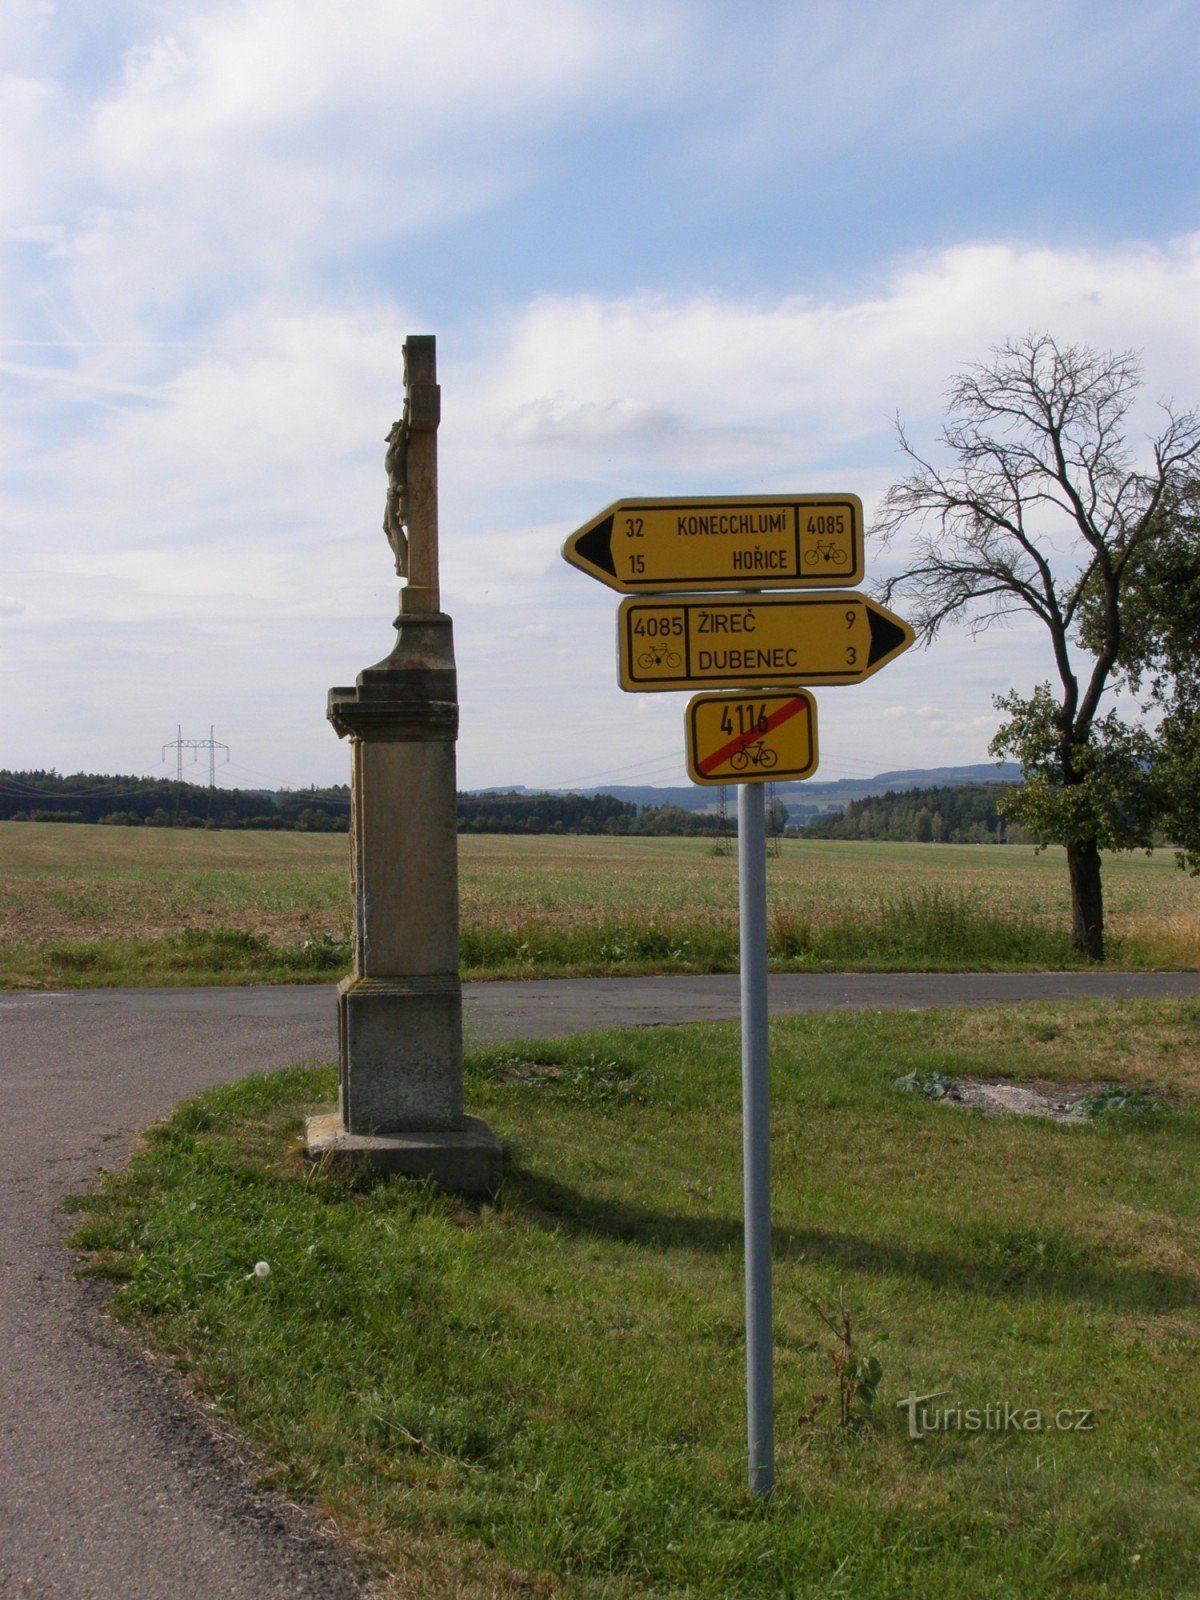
801,541
755,641
677,632
751,738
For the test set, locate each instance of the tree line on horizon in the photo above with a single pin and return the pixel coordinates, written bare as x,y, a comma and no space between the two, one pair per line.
124,801
960,813
946,813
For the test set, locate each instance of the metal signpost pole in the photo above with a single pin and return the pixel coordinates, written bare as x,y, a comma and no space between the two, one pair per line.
756,1155
744,644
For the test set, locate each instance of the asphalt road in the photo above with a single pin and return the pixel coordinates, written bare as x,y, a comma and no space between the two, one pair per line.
114,1485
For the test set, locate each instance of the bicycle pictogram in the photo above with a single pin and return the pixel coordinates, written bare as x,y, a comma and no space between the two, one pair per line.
753,755
826,551
659,655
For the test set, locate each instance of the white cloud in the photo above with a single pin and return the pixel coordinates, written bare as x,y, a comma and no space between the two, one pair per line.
208,211
732,389
919,76
252,143
208,153
245,71
228,512
563,419
222,152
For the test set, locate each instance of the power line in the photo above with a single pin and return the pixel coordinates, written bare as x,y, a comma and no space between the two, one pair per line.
658,766
180,744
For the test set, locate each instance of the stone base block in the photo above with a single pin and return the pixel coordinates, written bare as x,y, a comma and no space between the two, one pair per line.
400,1045
466,1161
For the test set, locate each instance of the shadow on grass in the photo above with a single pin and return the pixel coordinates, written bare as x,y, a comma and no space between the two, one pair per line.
1021,1263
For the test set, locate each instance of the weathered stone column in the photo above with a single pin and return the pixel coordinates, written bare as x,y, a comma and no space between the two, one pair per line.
400,1011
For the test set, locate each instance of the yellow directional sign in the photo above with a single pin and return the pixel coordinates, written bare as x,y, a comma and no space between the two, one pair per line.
751,738
697,644
799,541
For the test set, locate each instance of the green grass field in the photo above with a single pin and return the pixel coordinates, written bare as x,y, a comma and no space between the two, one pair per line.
98,905
544,1396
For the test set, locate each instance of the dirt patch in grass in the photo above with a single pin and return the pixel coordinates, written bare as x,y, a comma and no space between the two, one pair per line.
1061,1102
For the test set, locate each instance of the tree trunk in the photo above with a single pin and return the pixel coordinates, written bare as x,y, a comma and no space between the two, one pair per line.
1087,899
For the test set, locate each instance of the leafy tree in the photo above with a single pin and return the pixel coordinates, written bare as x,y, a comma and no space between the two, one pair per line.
1044,509
1160,655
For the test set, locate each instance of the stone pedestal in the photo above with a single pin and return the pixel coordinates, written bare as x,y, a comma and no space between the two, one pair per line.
400,1011
400,1048
465,1162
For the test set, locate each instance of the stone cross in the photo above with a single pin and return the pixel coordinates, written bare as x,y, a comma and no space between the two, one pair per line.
400,1011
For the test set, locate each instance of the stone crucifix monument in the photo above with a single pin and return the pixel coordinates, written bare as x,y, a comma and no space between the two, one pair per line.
400,1011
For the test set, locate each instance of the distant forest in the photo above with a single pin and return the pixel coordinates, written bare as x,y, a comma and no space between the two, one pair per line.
518,812
164,803
964,813
950,814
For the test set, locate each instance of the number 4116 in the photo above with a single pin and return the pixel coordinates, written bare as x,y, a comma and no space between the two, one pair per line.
743,718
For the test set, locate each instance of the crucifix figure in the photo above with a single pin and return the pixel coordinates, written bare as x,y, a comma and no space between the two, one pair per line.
410,511
395,510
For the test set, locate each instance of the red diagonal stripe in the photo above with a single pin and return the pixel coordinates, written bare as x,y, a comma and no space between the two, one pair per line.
789,709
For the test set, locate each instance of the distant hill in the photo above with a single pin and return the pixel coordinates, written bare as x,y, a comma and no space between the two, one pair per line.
936,777
810,799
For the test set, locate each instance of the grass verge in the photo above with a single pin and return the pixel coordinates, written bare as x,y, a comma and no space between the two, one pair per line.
544,1395
927,929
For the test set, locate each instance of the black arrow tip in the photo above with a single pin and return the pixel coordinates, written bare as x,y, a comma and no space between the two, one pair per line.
887,636
595,547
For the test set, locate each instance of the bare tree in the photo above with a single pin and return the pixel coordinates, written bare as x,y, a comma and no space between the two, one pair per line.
1042,508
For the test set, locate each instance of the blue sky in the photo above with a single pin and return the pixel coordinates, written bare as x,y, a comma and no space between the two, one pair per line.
666,249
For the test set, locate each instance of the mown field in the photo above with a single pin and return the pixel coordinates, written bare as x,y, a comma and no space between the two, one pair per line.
543,1395
102,905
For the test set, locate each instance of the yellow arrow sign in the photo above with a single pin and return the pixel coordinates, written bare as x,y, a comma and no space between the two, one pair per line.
697,644
751,738
799,541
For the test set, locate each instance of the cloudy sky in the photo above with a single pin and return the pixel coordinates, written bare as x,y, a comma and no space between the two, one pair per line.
666,246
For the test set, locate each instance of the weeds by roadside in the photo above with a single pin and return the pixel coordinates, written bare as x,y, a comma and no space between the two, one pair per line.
928,930
857,1373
